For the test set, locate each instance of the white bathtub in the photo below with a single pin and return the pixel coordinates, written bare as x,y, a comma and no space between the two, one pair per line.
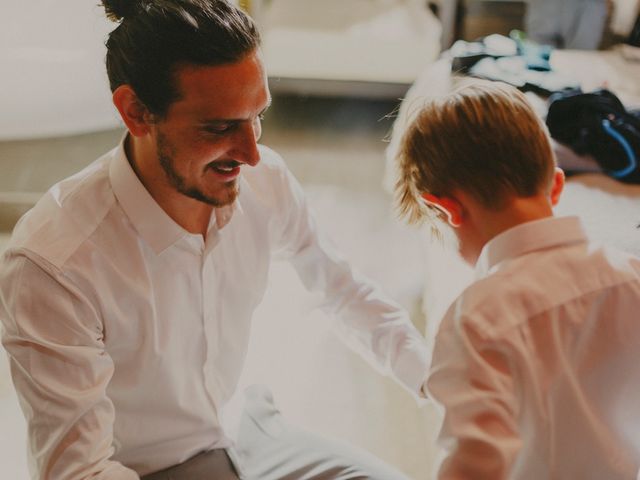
361,44
52,75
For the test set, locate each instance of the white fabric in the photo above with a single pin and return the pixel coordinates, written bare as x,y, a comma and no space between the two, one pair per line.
536,363
269,448
139,332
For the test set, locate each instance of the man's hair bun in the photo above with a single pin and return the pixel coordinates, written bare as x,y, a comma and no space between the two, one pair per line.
117,10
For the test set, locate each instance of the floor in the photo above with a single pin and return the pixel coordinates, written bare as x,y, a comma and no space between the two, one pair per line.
336,149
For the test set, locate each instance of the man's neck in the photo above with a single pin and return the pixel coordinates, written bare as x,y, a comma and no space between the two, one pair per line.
191,214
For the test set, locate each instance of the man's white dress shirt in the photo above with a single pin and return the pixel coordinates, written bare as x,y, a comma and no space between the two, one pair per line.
537,364
127,334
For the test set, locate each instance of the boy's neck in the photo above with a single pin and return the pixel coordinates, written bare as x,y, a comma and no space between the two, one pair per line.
483,224
518,211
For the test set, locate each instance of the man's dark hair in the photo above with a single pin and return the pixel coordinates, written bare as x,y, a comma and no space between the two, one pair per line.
156,37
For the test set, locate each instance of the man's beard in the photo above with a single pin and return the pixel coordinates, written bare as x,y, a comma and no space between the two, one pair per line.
166,154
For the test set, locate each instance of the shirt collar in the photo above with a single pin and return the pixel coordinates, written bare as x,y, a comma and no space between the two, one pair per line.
528,237
151,222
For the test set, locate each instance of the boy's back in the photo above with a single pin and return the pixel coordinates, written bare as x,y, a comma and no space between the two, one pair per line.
537,362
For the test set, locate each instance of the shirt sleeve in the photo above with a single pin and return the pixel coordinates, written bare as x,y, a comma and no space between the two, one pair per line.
472,380
54,340
372,324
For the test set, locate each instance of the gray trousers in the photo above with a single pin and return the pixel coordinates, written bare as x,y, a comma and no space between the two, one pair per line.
270,449
213,465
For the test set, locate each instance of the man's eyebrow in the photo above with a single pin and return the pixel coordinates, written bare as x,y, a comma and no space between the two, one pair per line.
218,121
221,121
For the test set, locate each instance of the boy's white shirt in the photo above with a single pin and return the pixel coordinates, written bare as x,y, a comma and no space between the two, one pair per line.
543,348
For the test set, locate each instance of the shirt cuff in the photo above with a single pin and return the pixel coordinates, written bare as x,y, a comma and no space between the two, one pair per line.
411,369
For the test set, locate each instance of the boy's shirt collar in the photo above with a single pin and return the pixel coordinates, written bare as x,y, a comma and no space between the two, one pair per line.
527,237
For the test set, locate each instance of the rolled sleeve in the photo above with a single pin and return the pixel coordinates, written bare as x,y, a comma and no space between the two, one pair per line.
371,323
60,370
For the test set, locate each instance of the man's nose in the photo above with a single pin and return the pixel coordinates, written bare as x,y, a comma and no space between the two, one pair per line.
246,145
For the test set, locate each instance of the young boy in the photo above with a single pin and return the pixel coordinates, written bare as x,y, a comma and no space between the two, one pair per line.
536,363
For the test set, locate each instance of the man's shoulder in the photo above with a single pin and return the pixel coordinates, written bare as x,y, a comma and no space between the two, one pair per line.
66,215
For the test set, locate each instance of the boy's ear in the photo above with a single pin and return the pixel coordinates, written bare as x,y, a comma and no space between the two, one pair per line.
447,205
133,112
557,186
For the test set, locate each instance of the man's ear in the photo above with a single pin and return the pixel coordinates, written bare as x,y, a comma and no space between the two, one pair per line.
557,186
447,205
133,112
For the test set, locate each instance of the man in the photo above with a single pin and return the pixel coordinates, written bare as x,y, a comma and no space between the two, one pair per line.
536,362
127,292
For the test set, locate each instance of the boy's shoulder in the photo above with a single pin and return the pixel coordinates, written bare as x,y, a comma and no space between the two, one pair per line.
535,283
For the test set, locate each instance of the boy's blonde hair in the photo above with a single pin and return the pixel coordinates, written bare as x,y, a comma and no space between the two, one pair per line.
484,139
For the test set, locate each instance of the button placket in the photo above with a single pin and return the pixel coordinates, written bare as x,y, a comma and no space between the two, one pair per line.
209,309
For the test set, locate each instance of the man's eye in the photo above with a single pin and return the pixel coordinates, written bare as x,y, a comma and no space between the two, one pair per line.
219,129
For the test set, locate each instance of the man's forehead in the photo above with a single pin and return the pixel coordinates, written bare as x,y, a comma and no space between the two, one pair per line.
245,73
223,88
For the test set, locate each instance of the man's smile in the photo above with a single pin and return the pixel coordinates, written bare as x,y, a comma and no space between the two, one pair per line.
228,170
